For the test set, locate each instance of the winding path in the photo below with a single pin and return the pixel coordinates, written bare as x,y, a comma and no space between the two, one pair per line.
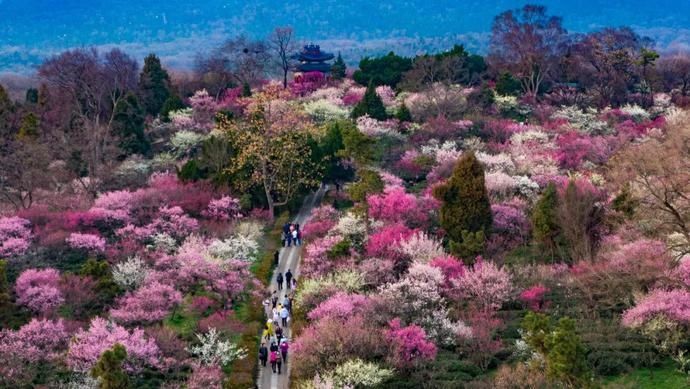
289,259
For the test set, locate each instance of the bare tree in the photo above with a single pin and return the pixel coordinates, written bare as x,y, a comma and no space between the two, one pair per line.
529,44
282,42
674,69
247,59
88,87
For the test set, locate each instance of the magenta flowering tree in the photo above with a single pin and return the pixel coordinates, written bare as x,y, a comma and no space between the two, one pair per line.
315,261
392,205
150,303
534,297
341,305
15,236
451,267
87,346
673,305
409,345
88,242
385,242
510,221
23,351
174,222
223,209
39,290
485,286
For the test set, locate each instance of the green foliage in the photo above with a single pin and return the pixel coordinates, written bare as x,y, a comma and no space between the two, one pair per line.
128,126
483,98
403,114
471,245
565,360
536,327
340,249
191,171
29,127
356,145
338,68
31,96
507,85
172,103
154,85
6,110
465,206
664,376
624,202
371,105
544,220
386,70
106,288
331,146
369,182
109,370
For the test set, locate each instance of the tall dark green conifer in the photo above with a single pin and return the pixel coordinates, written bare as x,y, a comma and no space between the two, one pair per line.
173,103
128,126
109,369
6,111
29,127
338,69
371,105
31,96
465,212
154,85
545,227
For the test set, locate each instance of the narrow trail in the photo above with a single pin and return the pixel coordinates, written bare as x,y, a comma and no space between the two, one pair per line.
288,259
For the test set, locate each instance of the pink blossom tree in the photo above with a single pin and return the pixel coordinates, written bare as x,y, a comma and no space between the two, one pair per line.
485,286
340,305
392,205
39,290
672,304
15,236
87,346
223,209
174,222
150,303
534,297
385,242
88,242
409,345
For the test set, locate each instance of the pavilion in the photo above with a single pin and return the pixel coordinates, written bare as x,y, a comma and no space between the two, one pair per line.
312,59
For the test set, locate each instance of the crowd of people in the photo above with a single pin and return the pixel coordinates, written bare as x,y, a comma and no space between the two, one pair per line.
291,234
278,320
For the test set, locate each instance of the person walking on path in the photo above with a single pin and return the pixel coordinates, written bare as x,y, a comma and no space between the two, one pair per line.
274,299
279,280
284,314
288,278
284,349
274,360
279,361
263,354
286,303
276,255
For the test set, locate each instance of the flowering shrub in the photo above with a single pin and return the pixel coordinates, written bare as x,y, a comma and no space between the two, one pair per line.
673,305
325,111
357,373
421,247
130,274
392,205
174,222
204,376
409,345
223,209
386,241
212,351
204,108
150,303
15,236
239,246
39,290
534,297
372,127
340,305
486,285
87,346
89,242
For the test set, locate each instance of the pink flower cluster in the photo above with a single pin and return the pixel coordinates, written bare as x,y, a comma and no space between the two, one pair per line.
90,242
174,222
39,290
534,297
385,242
150,303
392,205
671,304
409,345
15,236
88,345
223,209
340,305
485,285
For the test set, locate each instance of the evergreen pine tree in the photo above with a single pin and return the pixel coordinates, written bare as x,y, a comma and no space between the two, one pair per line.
566,357
29,127
545,227
246,90
465,209
338,69
109,370
154,85
403,114
6,111
31,96
172,103
371,105
128,126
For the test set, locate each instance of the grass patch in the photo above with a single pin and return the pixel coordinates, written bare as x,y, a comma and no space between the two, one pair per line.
183,323
665,376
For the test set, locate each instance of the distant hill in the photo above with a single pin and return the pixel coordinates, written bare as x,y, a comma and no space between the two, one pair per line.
33,29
